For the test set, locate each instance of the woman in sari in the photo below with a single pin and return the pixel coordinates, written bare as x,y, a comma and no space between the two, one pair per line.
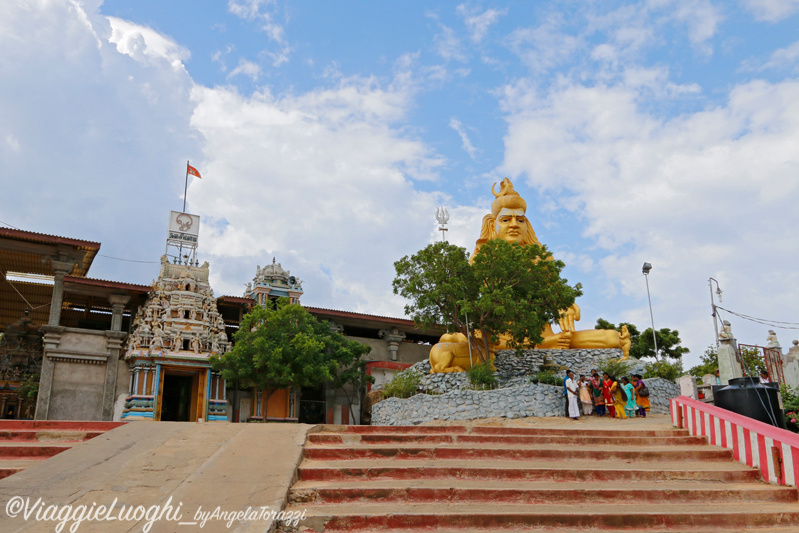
599,400
630,407
618,399
585,396
607,393
643,401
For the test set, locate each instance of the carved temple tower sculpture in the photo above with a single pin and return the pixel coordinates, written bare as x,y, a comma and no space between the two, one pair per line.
173,337
272,282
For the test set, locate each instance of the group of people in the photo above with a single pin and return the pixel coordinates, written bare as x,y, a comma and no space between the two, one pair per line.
605,395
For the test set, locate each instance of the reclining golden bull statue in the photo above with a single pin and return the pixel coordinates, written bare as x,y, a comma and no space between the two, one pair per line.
507,221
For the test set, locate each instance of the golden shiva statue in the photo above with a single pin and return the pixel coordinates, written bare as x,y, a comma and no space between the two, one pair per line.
507,221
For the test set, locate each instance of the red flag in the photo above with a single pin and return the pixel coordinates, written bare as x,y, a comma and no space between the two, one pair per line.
193,171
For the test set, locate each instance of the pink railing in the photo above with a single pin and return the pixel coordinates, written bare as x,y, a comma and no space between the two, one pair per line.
773,450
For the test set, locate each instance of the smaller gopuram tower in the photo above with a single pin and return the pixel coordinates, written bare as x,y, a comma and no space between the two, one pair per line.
174,335
272,282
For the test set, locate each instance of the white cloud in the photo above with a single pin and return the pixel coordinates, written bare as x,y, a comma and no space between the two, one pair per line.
321,180
145,44
711,193
701,18
545,46
466,144
264,12
772,10
247,68
449,46
478,23
95,137
787,57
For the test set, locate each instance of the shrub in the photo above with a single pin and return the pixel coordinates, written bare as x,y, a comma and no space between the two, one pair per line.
663,369
615,367
403,385
547,377
790,403
482,376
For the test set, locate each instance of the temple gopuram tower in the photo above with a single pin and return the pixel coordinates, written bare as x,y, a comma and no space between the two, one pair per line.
172,339
270,283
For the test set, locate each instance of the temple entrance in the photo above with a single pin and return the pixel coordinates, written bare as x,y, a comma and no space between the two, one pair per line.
179,397
312,405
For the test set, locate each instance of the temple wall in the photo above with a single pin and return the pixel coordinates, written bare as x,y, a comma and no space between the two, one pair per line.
74,374
77,392
408,352
84,341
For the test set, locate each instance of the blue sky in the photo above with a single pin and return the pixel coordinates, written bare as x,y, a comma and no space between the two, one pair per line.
327,133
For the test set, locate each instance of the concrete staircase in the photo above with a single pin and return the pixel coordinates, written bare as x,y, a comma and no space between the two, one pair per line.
365,478
26,442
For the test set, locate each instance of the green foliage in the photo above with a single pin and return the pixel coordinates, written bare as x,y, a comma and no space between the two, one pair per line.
29,388
709,363
482,377
668,344
790,403
547,377
752,358
403,385
509,290
643,345
663,369
285,346
614,367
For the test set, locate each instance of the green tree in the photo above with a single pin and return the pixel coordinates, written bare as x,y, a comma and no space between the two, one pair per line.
509,290
283,345
752,358
642,344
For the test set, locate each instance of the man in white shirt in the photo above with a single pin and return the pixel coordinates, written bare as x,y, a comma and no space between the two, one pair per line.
572,396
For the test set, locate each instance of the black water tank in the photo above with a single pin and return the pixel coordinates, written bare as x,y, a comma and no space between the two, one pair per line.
748,397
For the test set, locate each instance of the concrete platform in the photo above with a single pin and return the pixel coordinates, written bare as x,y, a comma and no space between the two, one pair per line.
200,466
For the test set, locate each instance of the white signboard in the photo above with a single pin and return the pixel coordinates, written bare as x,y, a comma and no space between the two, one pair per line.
183,226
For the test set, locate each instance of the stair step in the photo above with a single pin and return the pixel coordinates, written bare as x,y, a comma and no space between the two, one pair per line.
504,430
687,453
367,517
26,450
47,435
538,493
520,440
61,425
531,471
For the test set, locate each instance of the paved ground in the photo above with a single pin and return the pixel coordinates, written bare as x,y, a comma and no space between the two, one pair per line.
201,466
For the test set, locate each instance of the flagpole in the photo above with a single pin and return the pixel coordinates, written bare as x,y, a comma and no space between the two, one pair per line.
186,186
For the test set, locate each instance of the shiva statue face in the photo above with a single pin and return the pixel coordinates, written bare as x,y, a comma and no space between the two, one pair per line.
510,225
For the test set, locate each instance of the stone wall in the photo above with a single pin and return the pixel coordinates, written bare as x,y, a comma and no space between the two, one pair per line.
515,370
513,402
516,395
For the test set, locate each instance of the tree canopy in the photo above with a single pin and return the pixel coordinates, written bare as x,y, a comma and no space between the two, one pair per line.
642,344
509,290
282,345
752,358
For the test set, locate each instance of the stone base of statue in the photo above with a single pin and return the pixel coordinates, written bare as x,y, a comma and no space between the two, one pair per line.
729,366
790,366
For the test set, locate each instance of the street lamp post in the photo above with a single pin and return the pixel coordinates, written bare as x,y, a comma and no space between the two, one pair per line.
713,306
646,268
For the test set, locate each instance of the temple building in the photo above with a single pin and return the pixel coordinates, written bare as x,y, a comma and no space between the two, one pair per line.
169,349
111,350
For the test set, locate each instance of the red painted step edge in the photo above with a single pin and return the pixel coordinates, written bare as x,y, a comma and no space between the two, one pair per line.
65,425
